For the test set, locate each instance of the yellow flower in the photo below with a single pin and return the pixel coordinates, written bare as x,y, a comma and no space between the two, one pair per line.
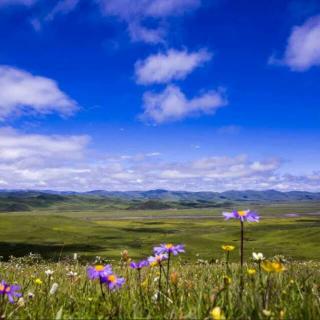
145,283
267,313
227,280
273,266
251,272
38,281
227,247
217,314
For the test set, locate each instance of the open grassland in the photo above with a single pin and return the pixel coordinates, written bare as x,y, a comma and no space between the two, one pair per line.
194,290
205,282
58,232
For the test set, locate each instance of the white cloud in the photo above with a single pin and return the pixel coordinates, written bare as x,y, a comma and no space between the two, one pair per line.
160,8
36,161
24,93
173,65
172,104
303,48
140,33
15,146
62,7
130,9
135,12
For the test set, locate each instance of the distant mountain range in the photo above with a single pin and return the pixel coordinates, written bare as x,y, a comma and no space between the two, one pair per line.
166,195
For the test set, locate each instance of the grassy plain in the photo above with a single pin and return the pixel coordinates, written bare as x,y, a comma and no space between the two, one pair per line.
193,292
61,230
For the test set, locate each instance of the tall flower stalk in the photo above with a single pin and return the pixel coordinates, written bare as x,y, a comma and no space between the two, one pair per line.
157,261
138,266
227,248
242,216
168,249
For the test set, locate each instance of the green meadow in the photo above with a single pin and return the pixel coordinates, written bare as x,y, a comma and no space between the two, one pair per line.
292,230
202,283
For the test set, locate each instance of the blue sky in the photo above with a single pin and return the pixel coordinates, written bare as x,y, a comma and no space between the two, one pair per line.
176,94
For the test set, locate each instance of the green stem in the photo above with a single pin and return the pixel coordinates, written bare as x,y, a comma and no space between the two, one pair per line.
241,244
227,262
101,288
168,267
159,283
140,288
241,258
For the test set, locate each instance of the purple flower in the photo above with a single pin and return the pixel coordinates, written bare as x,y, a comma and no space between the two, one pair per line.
10,291
114,282
139,265
99,271
169,248
157,259
248,215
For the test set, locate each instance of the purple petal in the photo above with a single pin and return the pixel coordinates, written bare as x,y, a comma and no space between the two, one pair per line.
229,215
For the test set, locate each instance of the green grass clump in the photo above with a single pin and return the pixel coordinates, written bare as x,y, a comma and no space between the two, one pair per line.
195,288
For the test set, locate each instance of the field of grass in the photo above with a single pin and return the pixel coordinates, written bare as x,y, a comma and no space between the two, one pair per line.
55,232
194,290
200,283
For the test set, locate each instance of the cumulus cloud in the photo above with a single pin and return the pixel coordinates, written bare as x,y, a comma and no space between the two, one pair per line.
24,93
172,104
36,161
303,48
33,160
135,12
15,146
173,65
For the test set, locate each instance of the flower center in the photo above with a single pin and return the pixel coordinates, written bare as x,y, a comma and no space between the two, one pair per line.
242,213
112,278
169,245
99,267
2,287
7,289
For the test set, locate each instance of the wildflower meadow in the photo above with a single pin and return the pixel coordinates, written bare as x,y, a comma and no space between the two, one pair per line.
163,285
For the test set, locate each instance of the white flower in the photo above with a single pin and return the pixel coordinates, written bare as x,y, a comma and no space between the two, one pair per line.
49,272
30,295
72,274
155,297
54,288
21,302
258,256
75,256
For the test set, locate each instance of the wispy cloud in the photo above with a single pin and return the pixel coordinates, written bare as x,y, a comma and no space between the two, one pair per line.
303,47
24,93
172,104
62,7
173,65
135,12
